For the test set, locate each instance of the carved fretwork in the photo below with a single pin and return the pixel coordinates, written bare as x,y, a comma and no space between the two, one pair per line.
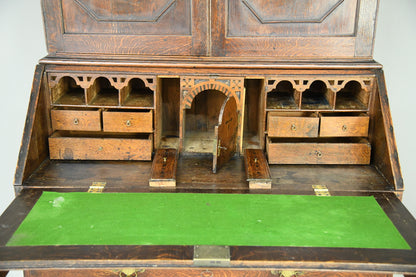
192,86
335,83
85,80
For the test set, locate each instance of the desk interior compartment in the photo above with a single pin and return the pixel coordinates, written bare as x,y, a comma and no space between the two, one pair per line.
292,124
344,125
318,151
76,119
132,121
96,146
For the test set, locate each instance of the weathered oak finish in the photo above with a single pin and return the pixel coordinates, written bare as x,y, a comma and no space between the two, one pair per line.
225,134
344,126
203,272
291,125
135,122
90,148
164,168
76,120
154,74
318,152
257,169
34,148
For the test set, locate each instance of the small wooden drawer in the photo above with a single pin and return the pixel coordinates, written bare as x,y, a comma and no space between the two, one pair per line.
67,147
294,125
76,120
344,126
318,152
120,121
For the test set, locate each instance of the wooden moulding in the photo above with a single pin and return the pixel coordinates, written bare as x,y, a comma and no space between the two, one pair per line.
120,121
257,169
293,152
62,146
76,120
159,272
164,168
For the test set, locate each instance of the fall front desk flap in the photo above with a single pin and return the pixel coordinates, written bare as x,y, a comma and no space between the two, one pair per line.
81,218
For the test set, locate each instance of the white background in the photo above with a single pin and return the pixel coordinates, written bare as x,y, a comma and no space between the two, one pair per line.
22,44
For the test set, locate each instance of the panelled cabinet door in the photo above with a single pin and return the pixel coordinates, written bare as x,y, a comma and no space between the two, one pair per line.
159,27
225,134
293,28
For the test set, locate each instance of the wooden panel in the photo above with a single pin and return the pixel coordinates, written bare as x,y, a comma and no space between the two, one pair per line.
164,168
318,153
34,148
293,29
344,126
138,122
88,148
225,134
292,126
76,120
126,27
202,272
257,169
263,18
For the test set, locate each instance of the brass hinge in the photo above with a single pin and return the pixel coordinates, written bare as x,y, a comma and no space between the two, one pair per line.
287,273
321,190
211,255
97,187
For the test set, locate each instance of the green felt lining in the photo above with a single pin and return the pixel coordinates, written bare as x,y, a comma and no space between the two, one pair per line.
81,218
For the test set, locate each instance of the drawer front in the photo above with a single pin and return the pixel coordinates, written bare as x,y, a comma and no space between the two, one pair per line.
344,126
137,122
295,127
72,120
318,153
77,148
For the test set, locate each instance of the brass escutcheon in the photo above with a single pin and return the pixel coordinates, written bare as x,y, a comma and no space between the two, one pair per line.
293,127
318,153
76,121
128,123
207,273
344,128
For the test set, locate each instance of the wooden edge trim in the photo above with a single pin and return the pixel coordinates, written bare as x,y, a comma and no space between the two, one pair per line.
30,118
390,138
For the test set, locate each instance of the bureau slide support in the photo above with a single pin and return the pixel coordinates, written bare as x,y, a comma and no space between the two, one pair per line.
164,168
257,169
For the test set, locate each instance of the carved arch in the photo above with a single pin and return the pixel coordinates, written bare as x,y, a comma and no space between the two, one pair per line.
191,87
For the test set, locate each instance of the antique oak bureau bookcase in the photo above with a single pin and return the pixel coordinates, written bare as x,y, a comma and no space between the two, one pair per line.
273,109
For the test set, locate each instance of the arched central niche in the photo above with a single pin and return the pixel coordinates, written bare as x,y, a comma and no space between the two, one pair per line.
200,121
201,101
